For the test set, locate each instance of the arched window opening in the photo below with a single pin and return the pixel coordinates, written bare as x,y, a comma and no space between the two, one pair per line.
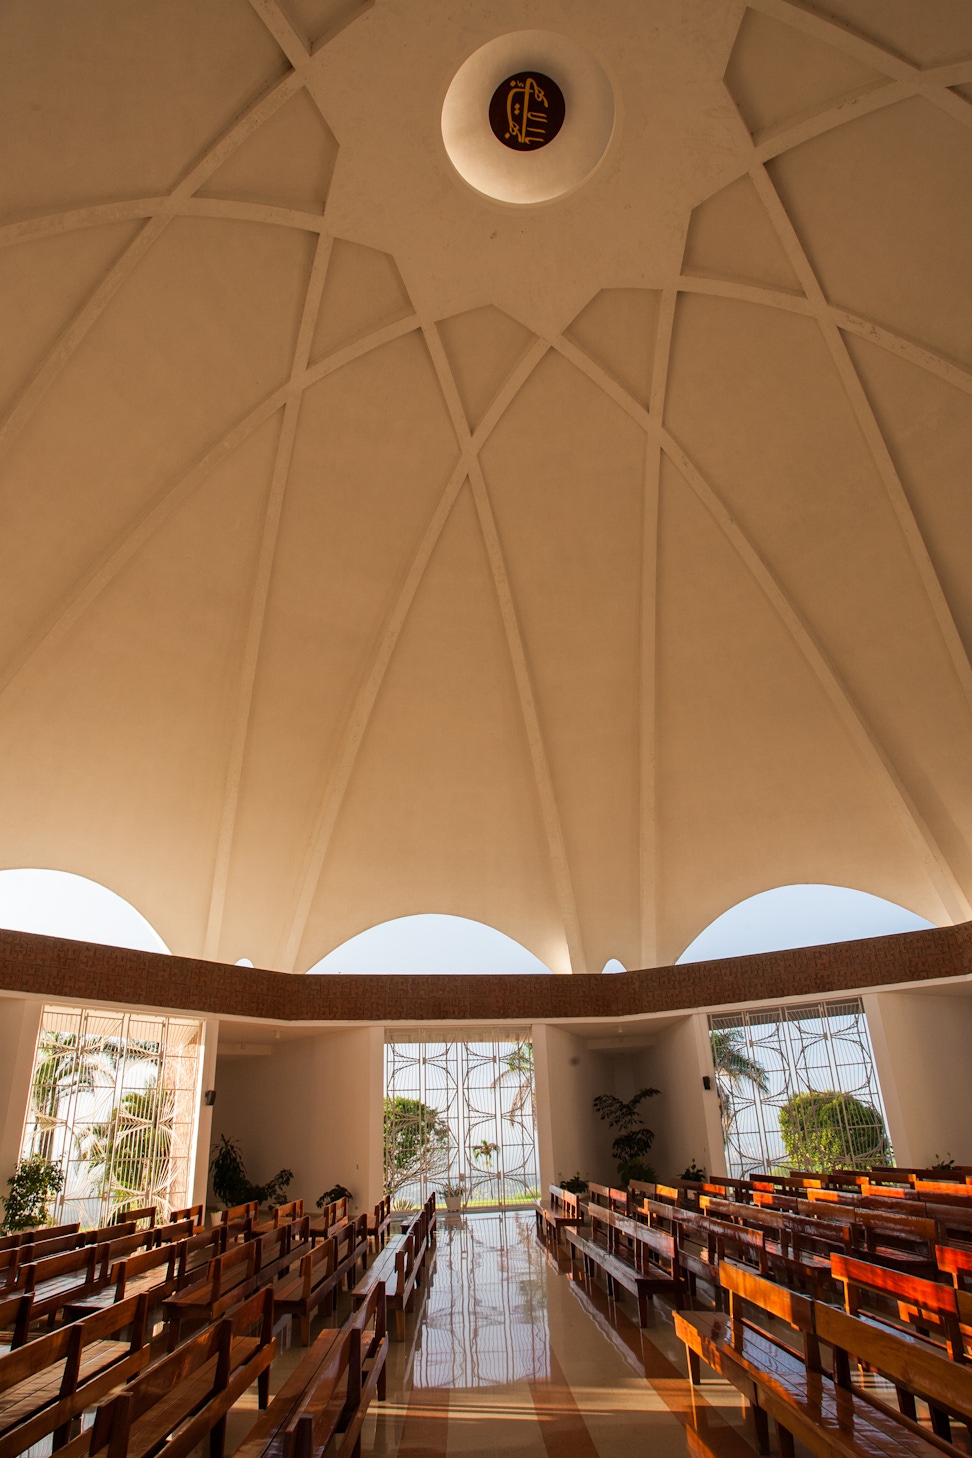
431,944
613,965
799,916
61,904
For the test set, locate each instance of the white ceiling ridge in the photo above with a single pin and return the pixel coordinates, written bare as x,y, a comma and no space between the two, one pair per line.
526,695
838,35
359,716
955,903
768,297
871,432
648,646
89,586
263,574
266,105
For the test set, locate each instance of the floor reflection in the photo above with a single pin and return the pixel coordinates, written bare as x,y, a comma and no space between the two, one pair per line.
486,1313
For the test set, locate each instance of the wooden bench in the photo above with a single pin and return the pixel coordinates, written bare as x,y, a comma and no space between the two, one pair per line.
153,1273
279,1215
798,1248
399,1268
322,1269
824,1409
379,1223
237,1220
956,1263
561,1211
609,1199
15,1318
136,1216
48,1382
916,1303
634,1256
334,1214
229,1279
27,1237
195,1213
329,1392
187,1394
56,1281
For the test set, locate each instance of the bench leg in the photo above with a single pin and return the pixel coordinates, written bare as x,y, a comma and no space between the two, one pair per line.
761,1424
785,1440
642,1309
305,1326
263,1389
694,1367
217,1439
399,1323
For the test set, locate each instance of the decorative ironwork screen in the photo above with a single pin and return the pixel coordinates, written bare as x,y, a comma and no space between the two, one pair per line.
113,1101
798,1088
460,1114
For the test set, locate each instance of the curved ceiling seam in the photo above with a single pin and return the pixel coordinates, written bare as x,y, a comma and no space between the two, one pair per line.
359,715
603,380
950,102
98,215
249,661
838,35
648,664
763,296
357,721
293,45
539,759
871,432
955,903
88,587
94,306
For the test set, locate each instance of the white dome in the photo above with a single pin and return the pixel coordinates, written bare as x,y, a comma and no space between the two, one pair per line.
373,548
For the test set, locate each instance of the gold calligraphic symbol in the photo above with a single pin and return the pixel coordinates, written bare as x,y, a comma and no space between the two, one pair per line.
525,125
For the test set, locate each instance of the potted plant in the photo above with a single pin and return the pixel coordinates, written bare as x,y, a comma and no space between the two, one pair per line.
453,1196
32,1188
634,1139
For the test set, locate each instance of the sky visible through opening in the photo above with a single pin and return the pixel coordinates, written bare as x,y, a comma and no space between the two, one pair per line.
57,903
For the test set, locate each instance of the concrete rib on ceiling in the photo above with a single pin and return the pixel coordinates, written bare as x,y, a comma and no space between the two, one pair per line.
374,548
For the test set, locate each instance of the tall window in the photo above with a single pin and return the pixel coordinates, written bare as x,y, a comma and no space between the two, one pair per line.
113,1101
460,1115
798,1088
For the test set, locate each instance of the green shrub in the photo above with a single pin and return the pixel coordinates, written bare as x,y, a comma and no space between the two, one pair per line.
32,1185
232,1185
826,1129
576,1185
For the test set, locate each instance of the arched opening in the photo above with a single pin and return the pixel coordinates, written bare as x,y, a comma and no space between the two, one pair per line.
613,965
799,916
61,904
431,944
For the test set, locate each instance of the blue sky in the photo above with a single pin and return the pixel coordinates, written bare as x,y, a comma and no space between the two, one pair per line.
60,904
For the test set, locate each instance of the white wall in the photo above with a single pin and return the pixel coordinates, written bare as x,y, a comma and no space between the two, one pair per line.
570,1137
204,1114
313,1105
19,1025
684,1115
923,1054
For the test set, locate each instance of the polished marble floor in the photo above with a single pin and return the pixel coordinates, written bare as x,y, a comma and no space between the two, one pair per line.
508,1355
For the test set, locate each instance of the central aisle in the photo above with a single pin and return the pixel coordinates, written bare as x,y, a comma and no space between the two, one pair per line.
510,1356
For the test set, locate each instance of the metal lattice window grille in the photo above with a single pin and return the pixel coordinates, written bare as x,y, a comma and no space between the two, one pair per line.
460,1114
772,1064
113,1102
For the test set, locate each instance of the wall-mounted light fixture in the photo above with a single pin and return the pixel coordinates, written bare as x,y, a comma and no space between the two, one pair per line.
706,1081
209,1097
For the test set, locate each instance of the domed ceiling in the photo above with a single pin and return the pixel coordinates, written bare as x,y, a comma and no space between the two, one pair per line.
372,547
